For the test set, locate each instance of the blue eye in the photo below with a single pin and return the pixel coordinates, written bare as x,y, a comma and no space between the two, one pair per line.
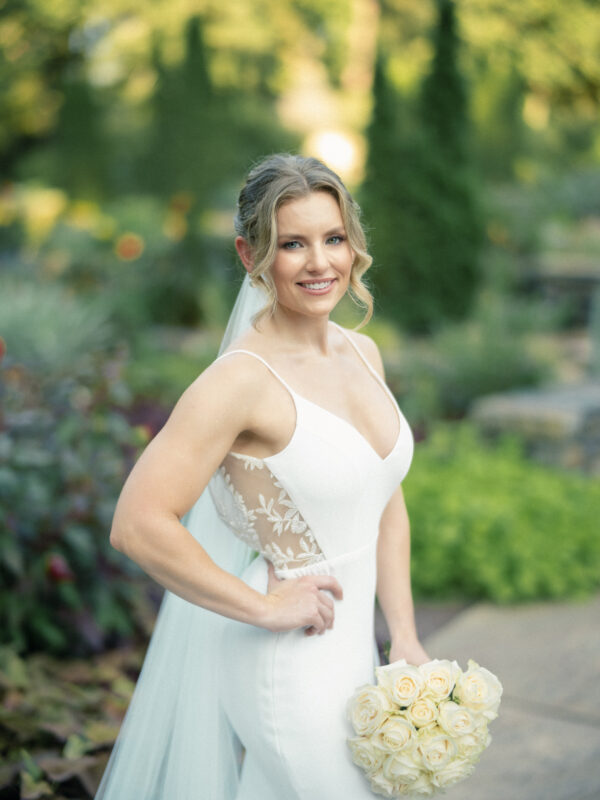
291,245
336,239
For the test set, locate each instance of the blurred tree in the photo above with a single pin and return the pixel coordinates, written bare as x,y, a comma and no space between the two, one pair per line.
419,193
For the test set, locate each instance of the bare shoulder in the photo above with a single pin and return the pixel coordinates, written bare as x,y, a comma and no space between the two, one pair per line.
368,348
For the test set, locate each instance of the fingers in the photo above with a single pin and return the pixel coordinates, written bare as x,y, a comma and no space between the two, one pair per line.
329,583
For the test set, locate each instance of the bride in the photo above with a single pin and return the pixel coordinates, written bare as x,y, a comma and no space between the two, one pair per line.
296,450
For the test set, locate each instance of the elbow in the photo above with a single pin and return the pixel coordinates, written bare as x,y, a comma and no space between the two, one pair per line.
116,539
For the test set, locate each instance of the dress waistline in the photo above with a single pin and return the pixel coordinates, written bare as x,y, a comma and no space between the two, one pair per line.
327,566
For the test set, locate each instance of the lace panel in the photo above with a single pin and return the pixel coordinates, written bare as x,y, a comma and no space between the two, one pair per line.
257,508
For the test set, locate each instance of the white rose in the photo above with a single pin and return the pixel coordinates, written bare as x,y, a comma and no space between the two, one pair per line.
456,720
365,755
401,768
470,746
381,785
402,681
439,678
395,734
422,785
422,712
368,707
436,748
480,690
456,770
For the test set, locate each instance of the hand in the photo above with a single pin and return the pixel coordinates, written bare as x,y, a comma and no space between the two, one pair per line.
411,650
301,603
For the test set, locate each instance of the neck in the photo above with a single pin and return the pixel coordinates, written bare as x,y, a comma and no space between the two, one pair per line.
300,332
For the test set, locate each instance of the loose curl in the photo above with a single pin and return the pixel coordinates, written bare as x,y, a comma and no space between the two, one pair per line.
277,180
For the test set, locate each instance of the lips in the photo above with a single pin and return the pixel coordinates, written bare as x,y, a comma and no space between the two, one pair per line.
316,285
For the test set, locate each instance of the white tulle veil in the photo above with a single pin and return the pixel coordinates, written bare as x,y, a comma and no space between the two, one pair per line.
175,742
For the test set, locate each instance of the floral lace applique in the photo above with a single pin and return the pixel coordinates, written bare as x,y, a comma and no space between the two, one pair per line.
258,509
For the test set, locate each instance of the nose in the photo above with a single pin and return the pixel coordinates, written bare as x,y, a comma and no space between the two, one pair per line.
317,261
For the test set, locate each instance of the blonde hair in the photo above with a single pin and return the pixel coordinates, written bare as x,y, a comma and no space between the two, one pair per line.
277,180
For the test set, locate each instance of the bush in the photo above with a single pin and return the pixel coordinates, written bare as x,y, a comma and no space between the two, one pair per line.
65,448
488,523
486,354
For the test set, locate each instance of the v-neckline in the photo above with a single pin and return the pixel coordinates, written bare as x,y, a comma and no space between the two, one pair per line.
349,425
295,395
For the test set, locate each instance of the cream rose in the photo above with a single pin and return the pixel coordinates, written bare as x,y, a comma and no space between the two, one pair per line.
365,755
455,771
401,768
381,785
368,707
456,720
422,785
439,678
402,681
480,690
422,712
395,734
436,749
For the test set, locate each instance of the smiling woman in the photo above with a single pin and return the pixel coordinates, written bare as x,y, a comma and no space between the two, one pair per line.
301,448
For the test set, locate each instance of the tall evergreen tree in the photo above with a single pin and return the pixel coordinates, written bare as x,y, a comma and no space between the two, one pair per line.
419,196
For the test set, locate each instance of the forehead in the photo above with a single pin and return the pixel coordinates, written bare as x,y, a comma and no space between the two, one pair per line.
315,209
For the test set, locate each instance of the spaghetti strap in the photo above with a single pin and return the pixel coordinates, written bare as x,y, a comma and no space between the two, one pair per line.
266,363
360,352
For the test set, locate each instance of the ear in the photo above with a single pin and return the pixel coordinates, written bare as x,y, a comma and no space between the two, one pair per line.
244,251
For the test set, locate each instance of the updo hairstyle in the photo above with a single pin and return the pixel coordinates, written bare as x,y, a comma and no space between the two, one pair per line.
277,180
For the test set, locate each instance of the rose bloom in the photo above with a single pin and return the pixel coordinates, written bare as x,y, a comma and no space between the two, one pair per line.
422,785
368,707
436,748
480,690
456,720
395,734
471,745
365,755
402,681
455,771
401,768
439,678
381,785
422,712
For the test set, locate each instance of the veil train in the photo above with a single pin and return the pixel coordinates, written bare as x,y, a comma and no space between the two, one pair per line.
176,742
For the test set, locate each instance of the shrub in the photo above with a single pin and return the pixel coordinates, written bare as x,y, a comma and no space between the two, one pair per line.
488,523
65,448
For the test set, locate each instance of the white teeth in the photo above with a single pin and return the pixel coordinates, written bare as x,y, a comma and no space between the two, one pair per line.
320,285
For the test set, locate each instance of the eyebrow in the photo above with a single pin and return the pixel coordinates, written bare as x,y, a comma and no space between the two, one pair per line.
332,232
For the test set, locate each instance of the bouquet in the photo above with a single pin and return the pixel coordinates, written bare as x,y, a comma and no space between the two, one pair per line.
421,729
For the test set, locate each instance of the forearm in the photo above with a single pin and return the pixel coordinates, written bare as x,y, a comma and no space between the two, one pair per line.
393,573
166,550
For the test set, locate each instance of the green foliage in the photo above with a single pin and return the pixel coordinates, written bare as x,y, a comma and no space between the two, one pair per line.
419,194
488,523
59,719
486,354
65,449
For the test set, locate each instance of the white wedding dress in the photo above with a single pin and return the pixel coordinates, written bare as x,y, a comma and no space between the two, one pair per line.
313,508
209,682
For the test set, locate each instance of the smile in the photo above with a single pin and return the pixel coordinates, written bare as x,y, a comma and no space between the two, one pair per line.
317,286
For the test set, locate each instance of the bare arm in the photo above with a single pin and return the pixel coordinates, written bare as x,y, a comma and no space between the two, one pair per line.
393,582
169,477
393,560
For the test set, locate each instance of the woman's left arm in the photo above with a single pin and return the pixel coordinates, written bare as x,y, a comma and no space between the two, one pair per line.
393,582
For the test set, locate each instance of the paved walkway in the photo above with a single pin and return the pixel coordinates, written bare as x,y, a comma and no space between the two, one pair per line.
546,742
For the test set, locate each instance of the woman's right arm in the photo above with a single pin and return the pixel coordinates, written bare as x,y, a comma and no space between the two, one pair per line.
167,480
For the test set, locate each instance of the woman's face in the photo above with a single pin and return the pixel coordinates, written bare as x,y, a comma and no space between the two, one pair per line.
313,260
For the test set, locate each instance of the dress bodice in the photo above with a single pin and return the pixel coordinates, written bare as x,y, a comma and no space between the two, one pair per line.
321,496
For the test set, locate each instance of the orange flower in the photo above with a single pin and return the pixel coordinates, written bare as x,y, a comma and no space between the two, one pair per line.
129,246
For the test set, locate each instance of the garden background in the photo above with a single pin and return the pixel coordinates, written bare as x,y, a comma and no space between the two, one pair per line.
469,133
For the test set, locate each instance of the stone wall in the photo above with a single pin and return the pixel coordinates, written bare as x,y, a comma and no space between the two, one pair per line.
559,424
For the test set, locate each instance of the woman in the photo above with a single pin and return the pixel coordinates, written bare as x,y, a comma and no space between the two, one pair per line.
303,449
